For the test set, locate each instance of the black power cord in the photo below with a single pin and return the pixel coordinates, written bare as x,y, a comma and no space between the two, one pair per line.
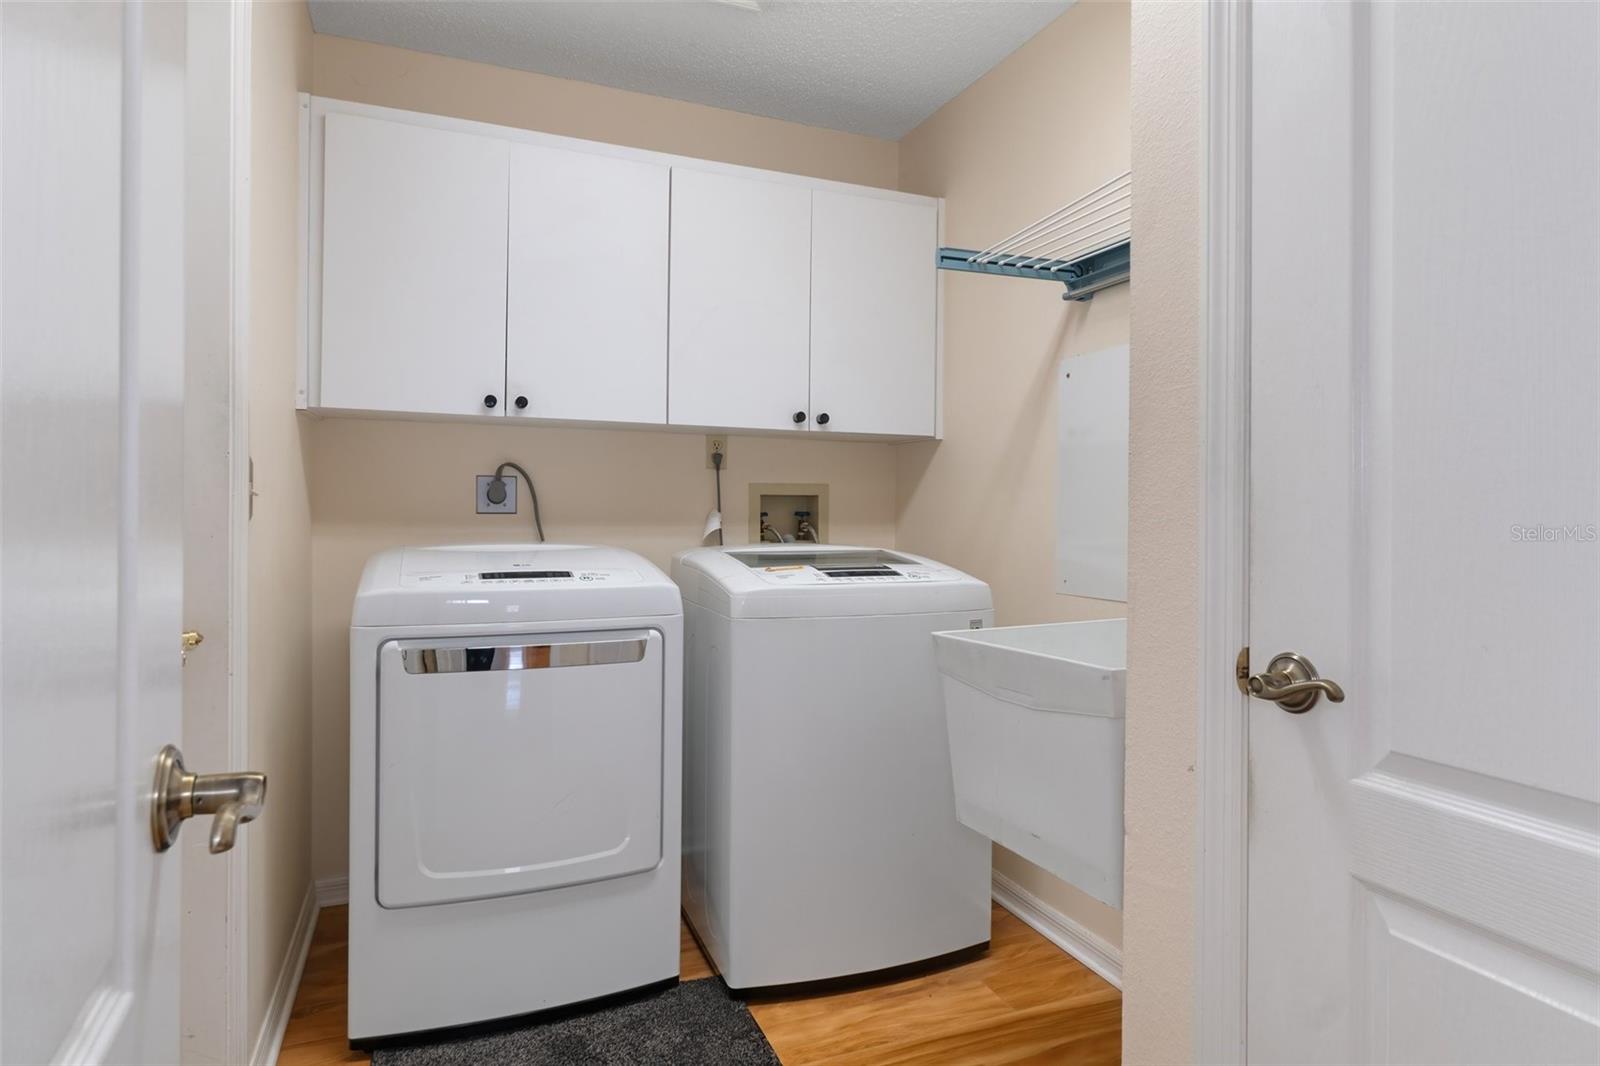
496,492
716,463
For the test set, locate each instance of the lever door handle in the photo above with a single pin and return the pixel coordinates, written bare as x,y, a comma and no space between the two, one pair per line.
1290,680
231,800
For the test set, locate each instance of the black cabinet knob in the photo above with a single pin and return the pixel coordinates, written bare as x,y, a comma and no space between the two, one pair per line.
522,403
799,417
822,419
490,400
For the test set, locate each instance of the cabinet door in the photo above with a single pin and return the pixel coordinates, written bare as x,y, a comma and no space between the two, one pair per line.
413,268
873,306
586,329
740,302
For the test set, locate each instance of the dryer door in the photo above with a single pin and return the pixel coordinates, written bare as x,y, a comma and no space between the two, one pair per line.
516,764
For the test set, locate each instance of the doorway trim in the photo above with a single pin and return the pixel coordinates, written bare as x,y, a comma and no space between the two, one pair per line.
218,144
241,502
1221,881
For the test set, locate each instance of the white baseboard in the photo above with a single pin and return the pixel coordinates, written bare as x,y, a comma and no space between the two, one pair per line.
270,1039
333,891
1065,933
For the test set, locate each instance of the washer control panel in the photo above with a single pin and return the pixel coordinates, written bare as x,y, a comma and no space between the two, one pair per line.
826,566
823,575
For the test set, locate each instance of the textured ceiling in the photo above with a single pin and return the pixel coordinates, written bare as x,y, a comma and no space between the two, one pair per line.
877,67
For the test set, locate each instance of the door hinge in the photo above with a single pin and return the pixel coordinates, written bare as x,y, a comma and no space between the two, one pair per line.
1241,670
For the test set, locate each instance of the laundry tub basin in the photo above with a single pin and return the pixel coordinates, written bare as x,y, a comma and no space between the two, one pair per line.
1035,715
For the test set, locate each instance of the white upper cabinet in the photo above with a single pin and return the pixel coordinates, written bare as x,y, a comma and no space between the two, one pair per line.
413,268
873,314
586,325
740,322
459,269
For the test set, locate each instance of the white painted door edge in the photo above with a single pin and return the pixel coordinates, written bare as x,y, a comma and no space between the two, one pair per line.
239,507
1064,932
219,211
1222,844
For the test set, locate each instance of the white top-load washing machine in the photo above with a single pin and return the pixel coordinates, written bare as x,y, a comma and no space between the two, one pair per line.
820,831
515,762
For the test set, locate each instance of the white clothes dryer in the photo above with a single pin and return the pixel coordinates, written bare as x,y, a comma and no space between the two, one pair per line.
515,754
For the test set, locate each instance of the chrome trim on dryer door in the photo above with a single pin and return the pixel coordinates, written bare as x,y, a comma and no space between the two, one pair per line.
521,656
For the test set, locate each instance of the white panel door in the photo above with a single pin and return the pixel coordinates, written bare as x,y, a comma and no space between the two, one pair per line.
91,405
1425,395
873,296
586,326
741,302
413,268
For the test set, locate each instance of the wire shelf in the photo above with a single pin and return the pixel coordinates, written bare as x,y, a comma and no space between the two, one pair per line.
1085,245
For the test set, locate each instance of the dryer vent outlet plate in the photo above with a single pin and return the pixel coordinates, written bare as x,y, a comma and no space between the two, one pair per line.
505,506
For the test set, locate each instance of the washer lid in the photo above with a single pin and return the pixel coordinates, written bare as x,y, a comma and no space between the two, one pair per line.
823,581
478,583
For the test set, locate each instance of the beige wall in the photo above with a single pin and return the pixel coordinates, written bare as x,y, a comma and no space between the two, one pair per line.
379,484
1003,152
279,540
1163,535
382,484
395,77
1048,123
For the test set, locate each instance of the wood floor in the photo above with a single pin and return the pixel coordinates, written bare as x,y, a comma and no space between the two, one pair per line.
1024,1002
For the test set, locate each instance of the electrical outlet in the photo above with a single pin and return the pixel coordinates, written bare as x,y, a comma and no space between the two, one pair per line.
714,444
505,506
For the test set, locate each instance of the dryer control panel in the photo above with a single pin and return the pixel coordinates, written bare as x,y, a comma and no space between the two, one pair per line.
555,567
521,578
491,583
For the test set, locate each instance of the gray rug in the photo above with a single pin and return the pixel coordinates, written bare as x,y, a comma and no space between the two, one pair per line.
691,1024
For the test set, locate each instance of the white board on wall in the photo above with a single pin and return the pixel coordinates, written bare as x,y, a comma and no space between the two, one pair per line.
1092,485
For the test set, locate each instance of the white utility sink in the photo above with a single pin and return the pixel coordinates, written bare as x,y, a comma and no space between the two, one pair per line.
1035,715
